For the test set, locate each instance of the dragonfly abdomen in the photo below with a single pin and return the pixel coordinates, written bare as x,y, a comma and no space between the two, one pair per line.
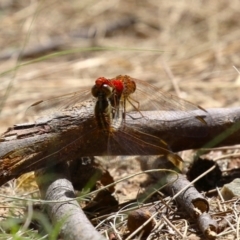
103,113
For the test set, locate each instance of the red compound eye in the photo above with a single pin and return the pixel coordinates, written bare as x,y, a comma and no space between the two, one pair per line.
101,81
118,85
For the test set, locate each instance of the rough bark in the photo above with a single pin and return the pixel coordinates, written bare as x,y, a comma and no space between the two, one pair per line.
74,133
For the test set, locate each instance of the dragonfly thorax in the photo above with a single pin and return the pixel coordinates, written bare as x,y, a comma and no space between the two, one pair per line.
108,112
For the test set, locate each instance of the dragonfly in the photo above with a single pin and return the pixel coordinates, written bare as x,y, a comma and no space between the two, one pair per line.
119,101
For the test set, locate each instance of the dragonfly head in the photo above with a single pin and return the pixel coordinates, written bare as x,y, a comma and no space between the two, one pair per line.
103,88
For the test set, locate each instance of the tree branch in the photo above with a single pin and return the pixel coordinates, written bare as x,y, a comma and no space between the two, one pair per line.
74,133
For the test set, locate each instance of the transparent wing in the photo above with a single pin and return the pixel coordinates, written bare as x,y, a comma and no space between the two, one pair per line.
56,104
150,98
80,102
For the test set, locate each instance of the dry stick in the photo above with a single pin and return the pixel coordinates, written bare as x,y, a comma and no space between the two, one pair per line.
207,225
58,42
31,146
172,226
54,185
185,194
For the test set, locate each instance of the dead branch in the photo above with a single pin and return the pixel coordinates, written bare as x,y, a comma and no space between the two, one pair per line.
67,135
55,186
190,199
208,226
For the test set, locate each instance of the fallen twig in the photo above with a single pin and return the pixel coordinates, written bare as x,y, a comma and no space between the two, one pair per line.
190,199
54,185
208,226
